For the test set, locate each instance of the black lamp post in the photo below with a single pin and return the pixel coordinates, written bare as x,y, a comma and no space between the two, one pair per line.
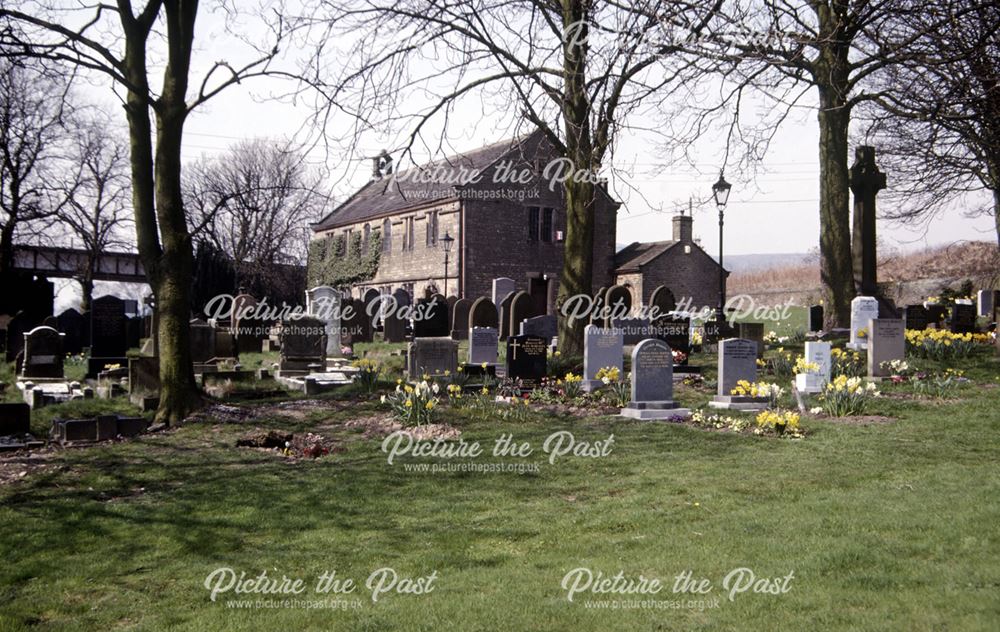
447,240
720,190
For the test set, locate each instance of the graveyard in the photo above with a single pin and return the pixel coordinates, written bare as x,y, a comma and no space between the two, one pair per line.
490,316
487,458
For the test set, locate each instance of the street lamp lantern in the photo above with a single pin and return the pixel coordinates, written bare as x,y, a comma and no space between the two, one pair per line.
447,240
720,190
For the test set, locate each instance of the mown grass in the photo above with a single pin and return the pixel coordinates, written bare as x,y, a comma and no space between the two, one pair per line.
888,526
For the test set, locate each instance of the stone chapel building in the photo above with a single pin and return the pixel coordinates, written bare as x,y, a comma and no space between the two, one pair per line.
501,228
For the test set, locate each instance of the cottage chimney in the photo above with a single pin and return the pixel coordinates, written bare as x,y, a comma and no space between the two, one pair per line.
683,230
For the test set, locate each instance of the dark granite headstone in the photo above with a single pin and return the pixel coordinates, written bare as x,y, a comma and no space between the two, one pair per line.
303,343
916,317
17,326
521,307
431,356
544,326
752,331
71,323
526,359
202,336
963,318
108,337
43,353
936,315
430,318
14,419
815,318
676,332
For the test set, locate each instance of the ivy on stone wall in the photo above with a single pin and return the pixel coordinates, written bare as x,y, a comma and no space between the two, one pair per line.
331,263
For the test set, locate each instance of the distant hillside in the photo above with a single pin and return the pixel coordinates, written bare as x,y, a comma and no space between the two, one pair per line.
747,263
906,277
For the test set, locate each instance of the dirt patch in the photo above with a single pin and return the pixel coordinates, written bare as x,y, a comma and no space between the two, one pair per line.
298,410
384,425
20,465
308,445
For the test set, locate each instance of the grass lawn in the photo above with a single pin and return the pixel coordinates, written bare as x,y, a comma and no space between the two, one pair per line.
891,525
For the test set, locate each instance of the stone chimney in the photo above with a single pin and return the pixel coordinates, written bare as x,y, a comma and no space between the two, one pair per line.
381,165
683,230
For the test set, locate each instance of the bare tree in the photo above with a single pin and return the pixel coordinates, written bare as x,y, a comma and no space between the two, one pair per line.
97,208
783,51
936,119
119,43
254,203
33,112
579,70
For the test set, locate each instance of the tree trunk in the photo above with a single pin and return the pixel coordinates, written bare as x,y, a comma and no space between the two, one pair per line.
7,246
578,250
836,265
156,196
86,291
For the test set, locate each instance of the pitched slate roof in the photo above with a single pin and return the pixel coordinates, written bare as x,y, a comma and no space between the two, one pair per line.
387,196
637,254
634,256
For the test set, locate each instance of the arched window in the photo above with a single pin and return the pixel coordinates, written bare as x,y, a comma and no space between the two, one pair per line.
365,236
387,235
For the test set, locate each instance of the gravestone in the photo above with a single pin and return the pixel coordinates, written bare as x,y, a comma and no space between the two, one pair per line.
352,323
863,309
521,307
324,302
544,326
737,361
866,180
601,348
526,359
653,383
133,331
483,343
663,301
43,354
431,356
224,343
963,318
504,309
501,288
202,336
617,303
985,302
370,296
364,332
755,332
887,342
71,323
51,321
108,340
393,322
249,331
676,332
915,317
815,318
936,314
303,344
817,353
144,381
430,318
17,326
460,319
483,314
15,419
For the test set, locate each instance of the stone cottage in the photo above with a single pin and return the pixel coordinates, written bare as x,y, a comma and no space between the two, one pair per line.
679,264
